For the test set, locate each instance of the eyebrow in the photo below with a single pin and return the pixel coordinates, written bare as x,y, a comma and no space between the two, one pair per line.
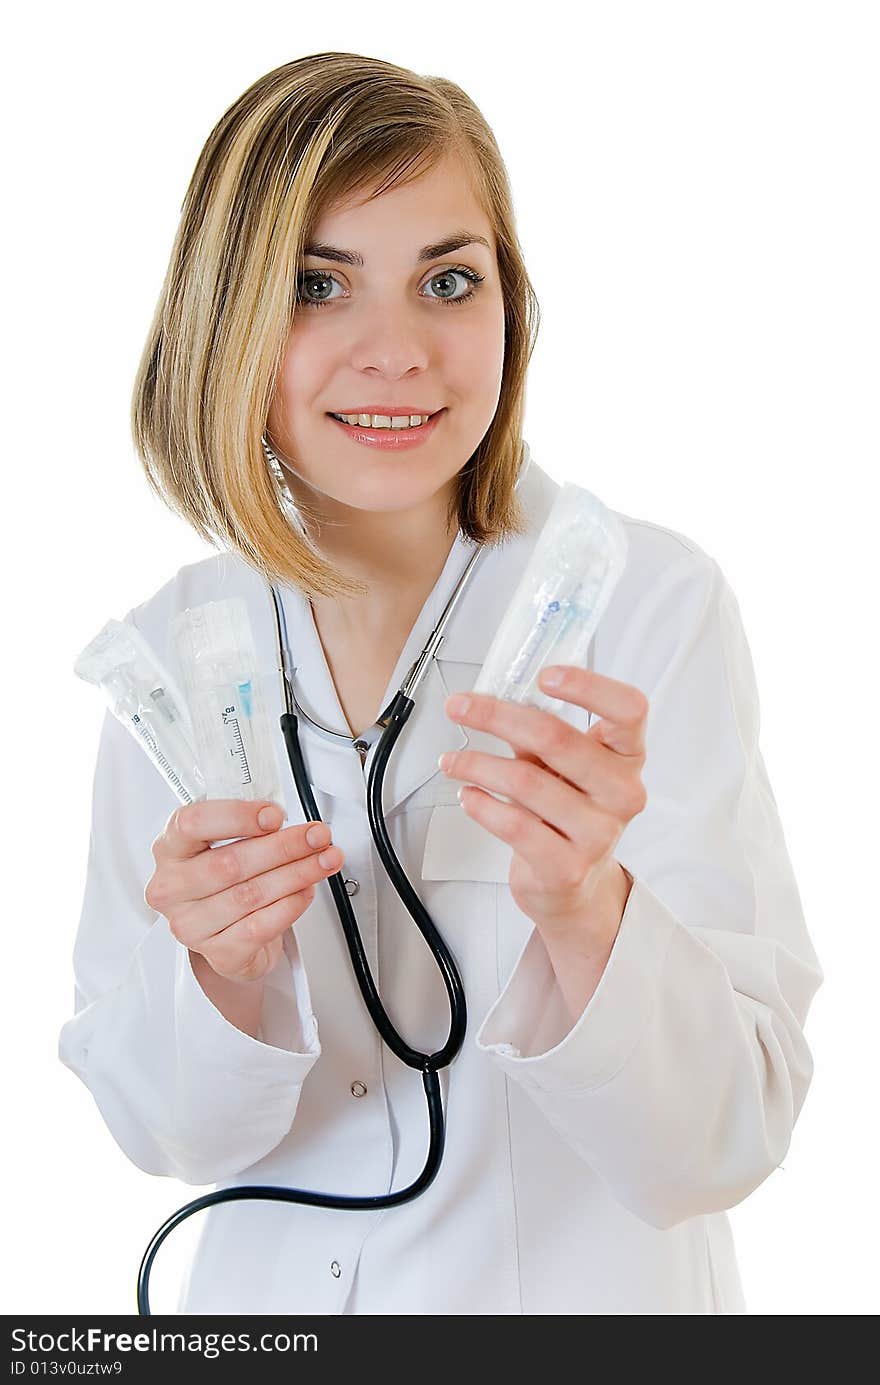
427,252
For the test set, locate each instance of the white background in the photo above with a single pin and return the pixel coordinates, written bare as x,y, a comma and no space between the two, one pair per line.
697,196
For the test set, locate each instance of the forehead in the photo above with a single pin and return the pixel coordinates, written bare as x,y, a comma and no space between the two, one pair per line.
435,204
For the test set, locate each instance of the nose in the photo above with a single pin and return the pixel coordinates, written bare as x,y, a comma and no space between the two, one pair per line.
392,340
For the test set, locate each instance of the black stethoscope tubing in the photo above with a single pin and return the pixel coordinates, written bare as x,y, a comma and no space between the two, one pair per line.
392,721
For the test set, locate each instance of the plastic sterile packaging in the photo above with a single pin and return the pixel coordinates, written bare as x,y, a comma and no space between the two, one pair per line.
215,649
143,696
576,563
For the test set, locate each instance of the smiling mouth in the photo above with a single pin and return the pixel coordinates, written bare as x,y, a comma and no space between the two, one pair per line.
386,427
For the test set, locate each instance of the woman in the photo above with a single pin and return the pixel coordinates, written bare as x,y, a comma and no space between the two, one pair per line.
346,271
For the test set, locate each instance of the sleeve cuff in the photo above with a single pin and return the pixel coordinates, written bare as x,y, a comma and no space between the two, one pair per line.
288,1045
521,1028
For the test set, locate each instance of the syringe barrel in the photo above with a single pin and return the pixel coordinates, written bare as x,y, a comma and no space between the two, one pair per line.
565,587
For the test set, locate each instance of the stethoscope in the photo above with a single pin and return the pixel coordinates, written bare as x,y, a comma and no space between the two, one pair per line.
386,731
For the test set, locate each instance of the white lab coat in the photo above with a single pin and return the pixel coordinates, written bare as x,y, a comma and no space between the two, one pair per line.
588,1165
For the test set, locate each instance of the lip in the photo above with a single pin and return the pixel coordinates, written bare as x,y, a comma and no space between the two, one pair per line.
389,409
391,439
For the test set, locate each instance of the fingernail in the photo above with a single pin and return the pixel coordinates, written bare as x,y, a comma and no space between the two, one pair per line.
458,705
318,835
270,817
552,677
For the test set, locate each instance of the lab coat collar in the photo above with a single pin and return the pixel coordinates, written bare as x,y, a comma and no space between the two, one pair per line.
335,767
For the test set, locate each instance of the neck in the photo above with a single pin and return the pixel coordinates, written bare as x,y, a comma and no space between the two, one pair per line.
398,556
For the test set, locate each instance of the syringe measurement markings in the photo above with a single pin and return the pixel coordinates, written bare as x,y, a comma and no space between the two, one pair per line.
232,723
169,770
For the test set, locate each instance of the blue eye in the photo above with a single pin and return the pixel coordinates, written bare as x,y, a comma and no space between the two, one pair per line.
306,280
310,277
474,278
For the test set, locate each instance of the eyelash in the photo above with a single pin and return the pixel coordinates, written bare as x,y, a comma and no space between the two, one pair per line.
470,274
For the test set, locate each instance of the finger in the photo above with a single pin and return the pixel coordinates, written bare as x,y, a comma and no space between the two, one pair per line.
559,746
597,770
195,923
555,862
622,707
227,865
552,799
193,826
232,950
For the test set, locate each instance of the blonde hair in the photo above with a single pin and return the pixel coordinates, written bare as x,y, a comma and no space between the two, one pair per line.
306,135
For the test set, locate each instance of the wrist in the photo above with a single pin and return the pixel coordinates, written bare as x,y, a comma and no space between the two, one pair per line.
579,954
239,1002
593,925
204,971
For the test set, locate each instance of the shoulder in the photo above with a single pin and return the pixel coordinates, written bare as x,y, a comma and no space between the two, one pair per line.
654,551
664,595
667,595
215,578
659,556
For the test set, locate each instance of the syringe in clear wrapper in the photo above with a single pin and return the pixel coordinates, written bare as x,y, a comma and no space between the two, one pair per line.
553,621
575,565
142,695
216,652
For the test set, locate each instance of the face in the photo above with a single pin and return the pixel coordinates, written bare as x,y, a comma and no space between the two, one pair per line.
397,335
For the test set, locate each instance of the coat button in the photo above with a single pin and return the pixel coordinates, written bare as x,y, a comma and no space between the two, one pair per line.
352,887
334,1269
358,1088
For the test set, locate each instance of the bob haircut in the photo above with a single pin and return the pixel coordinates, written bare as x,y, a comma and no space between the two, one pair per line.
302,138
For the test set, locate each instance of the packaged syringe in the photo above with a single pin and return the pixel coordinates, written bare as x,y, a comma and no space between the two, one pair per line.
216,652
575,565
143,696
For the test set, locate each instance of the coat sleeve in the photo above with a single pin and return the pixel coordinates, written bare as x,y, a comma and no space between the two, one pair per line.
682,1079
184,1092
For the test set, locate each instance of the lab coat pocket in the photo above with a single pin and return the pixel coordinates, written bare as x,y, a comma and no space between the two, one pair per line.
476,866
459,848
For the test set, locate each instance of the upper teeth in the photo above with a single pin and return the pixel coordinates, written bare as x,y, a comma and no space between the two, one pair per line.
385,420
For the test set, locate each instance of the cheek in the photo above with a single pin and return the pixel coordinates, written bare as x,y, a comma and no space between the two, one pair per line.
299,378
474,358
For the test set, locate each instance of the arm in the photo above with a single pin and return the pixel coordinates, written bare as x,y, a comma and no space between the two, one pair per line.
682,1075
577,967
184,1089
240,1002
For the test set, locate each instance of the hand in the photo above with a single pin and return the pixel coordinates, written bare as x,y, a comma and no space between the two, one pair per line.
573,792
233,903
